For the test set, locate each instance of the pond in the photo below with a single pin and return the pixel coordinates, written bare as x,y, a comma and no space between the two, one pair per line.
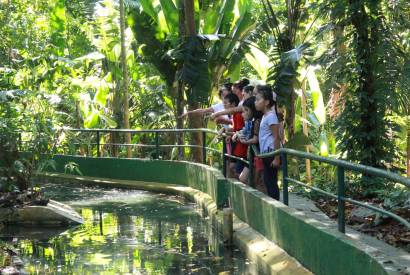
125,232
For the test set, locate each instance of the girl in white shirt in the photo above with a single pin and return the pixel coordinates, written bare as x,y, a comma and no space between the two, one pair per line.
268,137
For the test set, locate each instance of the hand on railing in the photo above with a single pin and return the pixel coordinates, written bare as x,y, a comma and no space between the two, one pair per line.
276,162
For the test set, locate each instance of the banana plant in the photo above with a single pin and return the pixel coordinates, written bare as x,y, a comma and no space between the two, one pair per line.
221,26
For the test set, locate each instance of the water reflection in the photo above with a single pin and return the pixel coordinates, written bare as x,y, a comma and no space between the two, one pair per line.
126,232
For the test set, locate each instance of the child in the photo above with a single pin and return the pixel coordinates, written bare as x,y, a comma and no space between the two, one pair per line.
238,149
249,135
268,137
237,88
246,92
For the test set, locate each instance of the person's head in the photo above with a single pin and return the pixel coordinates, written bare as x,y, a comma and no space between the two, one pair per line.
223,91
247,91
264,98
228,86
230,100
249,109
238,86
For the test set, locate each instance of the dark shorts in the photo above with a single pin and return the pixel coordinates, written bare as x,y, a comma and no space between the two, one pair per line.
239,165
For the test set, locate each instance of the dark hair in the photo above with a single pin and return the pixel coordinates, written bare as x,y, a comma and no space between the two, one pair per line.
248,89
266,92
232,98
240,84
228,85
250,103
222,89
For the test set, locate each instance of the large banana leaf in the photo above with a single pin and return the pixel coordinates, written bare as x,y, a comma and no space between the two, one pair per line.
149,9
319,108
171,15
259,61
195,69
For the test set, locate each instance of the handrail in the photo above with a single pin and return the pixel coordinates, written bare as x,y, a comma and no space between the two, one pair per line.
341,166
194,130
204,131
342,163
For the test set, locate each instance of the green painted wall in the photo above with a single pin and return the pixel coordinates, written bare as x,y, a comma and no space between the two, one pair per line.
321,250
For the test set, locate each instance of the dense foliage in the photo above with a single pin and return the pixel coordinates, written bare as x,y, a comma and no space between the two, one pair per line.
341,69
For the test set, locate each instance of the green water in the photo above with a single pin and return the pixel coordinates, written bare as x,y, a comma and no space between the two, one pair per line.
125,232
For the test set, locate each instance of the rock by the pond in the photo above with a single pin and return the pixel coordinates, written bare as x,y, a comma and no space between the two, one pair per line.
54,213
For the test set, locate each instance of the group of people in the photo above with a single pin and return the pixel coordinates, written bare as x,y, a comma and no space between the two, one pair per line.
248,115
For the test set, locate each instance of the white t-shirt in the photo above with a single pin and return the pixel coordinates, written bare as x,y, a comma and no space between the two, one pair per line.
266,140
220,107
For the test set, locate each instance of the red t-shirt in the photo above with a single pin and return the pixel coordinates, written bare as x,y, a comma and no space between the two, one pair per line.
240,150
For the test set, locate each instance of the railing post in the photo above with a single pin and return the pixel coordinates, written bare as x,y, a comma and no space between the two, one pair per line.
251,155
156,145
340,198
224,157
98,144
204,147
284,178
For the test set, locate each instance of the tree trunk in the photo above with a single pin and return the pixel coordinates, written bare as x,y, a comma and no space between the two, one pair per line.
190,17
179,112
125,79
194,121
368,106
290,115
118,116
180,86
408,152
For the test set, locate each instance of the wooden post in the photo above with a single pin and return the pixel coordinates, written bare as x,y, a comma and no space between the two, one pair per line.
228,226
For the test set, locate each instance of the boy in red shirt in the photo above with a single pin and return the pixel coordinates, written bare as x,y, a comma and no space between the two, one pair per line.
238,149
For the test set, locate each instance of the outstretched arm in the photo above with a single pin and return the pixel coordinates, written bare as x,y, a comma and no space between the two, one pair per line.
197,112
229,111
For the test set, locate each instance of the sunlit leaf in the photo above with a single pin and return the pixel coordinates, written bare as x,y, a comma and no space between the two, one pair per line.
92,120
259,61
319,108
110,122
323,145
91,56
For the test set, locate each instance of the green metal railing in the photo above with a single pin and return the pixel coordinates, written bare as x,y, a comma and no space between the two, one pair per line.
157,133
341,167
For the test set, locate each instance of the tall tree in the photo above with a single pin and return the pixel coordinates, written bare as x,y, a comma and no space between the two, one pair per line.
194,121
125,78
373,91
